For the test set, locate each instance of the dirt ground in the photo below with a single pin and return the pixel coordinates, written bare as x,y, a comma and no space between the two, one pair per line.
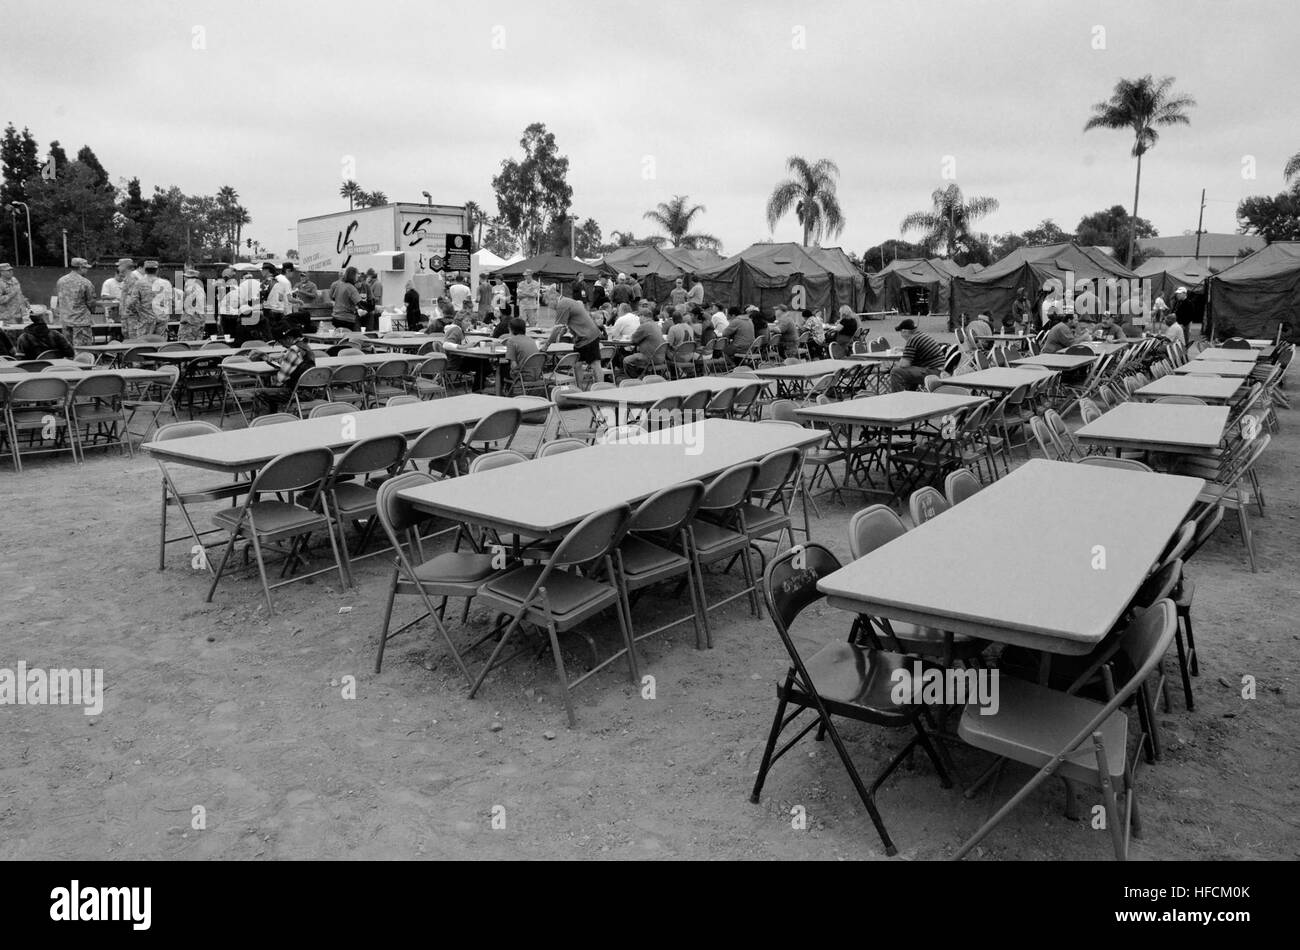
220,706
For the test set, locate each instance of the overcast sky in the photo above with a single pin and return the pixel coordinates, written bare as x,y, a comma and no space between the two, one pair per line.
715,93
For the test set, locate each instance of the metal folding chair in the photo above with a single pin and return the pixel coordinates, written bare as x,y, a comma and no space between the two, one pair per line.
841,680
182,496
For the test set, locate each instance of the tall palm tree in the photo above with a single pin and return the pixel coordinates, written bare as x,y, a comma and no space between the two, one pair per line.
241,218
351,191
948,223
675,218
227,202
474,221
1141,105
811,193
1292,169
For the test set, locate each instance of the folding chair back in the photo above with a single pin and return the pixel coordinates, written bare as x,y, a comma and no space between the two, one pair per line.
100,386
722,402
745,399
879,345
775,471
782,409
1107,461
730,488
498,426
560,446
1046,440
401,400
594,537
926,504
380,453
184,430
395,513
294,471
1178,544
932,383
1181,400
1064,437
274,418
667,510
437,443
39,389
790,590
694,406
331,409
960,485
497,459
663,413
618,434
873,527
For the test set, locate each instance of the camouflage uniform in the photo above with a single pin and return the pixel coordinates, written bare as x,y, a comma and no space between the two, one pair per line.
192,312
76,298
137,309
13,305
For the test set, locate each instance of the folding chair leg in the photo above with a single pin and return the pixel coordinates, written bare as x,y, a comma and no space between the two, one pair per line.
261,569
1183,667
771,738
868,800
225,557
1117,833
553,634
388,618
1193,658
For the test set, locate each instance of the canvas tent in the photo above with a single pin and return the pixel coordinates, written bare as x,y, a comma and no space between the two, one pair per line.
1258,294
912,286
994,288
801,277
692,260
486,261
548,268
1167,274
953,269
655,271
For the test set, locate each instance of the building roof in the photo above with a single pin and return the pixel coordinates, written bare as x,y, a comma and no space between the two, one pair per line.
1212,245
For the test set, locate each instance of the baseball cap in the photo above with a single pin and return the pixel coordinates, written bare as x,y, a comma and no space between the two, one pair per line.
150,264
6,266
125,262
751,309
80,262
905,325
190,272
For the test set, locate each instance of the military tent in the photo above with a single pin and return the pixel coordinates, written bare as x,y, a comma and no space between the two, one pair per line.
913,286
1167,274
656,272
692,259
1259,294
802,277
548,268
994,288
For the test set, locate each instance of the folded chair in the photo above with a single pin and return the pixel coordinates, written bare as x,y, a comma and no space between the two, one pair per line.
271,522
1083,741
558,596
839,680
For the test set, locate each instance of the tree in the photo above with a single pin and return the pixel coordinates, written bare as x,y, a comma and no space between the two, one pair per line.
378,199
628,239
500,240
74,201
1141,105
876,258
589,239
21,168
351,191
811,193
947,224
58,156
228,215
675,218
1274,219
1109,228
533,192
87,157
474,221
1292,169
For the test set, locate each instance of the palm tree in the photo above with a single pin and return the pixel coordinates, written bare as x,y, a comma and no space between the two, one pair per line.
947,224
378,198
241,218
1292,169
811,193
351,191
1141,105
675,218
227,202
474,221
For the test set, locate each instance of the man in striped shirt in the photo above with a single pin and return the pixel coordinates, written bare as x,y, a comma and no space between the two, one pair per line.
923,356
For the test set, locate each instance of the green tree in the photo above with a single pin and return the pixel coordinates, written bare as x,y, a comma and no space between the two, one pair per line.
58,155
675,217
20,168
875,258
87,157
1292,169
589,239
620,239
946,226
475,219
1141,105
531,193
810,192
499,239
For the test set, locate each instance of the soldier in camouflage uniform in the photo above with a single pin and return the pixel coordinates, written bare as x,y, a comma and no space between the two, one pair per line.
77,301
137,308
13,305
192,312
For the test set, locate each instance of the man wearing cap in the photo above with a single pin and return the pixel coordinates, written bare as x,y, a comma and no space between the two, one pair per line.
678,294
1062,335
76,303
529,293
13,305
193,314
303,296
923,356
277,298
228,303
114,286
634,287
1183,309
622,293
297,359
137,308
251,318
163,298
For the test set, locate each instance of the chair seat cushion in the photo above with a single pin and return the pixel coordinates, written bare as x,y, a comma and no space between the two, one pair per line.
273,517
567,593
454,567
353,500
860,677
1034,723
760,521
712,538
641,557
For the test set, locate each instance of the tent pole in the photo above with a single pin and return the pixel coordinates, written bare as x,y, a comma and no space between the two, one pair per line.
1200,219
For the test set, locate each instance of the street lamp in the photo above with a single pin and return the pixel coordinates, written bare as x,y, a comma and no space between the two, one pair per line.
31,260
428,198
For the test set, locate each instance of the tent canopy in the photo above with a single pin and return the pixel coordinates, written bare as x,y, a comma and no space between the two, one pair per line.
1167,274
487,261
548,268
643,261
891,286
993,289
1259,293
692,259
801,277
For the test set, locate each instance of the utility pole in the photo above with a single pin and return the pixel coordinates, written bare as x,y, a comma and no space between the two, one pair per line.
1199,220
31,259
13,217
65,246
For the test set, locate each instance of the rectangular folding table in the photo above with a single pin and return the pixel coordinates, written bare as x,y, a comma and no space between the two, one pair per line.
1213,389
1047,557
1157,427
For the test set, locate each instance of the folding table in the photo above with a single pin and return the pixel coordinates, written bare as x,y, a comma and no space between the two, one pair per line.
1058,361
1231,354
1200,367
998,379
1073,571
795,377
1157,427
1213,389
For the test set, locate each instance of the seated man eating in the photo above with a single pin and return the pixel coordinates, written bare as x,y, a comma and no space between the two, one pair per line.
923,356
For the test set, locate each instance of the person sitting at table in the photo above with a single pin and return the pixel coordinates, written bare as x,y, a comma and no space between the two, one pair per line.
923,356
1111,329
38,337
625,324
647,339
1173,330
1062,335
519,345
786,334
297,359
704,327
760,322
738,334
816,330
847,329
979,335
679,331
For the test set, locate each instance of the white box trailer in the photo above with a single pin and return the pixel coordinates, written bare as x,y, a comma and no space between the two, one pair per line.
400,241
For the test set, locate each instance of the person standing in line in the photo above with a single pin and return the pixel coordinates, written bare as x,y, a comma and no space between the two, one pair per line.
678,294
459,292
277,297
163,296
529,293
76,303
137,308
414,318
622,293
634,288
484,297
346,300
192,314
250,310
305,296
